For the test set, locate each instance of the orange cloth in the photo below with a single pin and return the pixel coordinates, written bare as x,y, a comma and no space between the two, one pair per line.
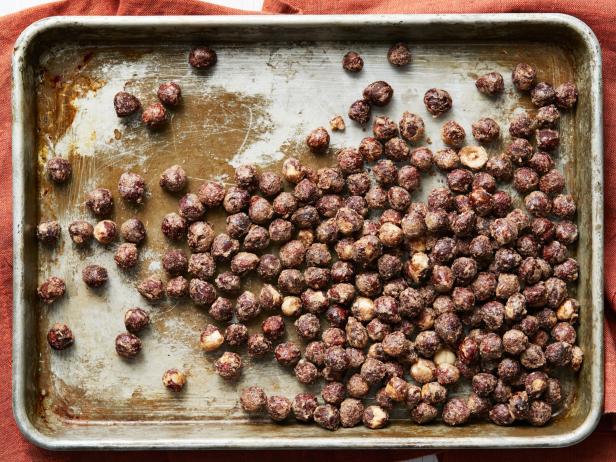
599,15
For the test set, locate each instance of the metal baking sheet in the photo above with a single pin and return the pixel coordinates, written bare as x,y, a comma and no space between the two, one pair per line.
277,78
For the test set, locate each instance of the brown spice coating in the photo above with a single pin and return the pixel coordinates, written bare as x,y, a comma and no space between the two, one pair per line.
278,408
48,232
94,276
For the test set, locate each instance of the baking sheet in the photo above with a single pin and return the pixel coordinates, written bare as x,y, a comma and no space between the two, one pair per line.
256,106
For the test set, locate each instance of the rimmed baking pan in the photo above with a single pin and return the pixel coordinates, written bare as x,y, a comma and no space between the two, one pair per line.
277,78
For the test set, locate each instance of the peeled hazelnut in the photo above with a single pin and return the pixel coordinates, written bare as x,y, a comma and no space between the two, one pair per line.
473,157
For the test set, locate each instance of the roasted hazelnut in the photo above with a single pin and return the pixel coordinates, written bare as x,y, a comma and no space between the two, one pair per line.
481,201
318,140
154,116
202,57
565,95
541,162
94,276
478,406
278,408
351,412
449,328
202,265
105,232
491,347
359,111
523,76
132,187
501,415
533,357
433,393
59,170
175,262
437,101
287,354
303,406
126,256
136,319
100,202
127,345
125,104
236,334
173,179
396,149
352,62
547,139
211,338
538,203
486,130
177,287
500,167
229,366
48,232
521,126
490,84
191,207
60,336
423,413
384,128
327,416
253,399
81,232
258,346
173,226
201,292
235,200
453,134
375,417
333,393
174,380
378,93
525,180
423,371
459,180
519,151
547,117
542,94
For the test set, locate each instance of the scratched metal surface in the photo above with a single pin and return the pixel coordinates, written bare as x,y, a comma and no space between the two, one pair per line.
255,106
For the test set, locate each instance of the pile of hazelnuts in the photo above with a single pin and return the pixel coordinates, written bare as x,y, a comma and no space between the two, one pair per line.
414,296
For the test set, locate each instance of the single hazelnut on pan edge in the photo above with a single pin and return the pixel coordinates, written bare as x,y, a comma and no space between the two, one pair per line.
202,57
352,62
60,336
59,170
